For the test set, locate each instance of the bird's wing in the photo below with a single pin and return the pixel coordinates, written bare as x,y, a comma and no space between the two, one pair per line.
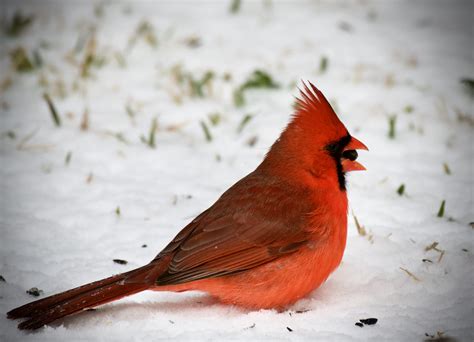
250,225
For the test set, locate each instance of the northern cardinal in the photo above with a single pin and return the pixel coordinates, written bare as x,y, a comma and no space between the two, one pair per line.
269,240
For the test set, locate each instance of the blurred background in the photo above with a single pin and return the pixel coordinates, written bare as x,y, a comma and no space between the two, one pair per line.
121,121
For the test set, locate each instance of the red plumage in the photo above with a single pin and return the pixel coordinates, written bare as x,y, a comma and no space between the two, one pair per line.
269,240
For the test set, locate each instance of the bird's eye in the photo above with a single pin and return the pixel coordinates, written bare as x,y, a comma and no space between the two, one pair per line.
350,154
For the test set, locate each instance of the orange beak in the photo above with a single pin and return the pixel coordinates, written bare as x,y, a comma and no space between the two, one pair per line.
352,165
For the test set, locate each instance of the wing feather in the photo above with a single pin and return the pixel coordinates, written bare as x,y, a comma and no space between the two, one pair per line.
238,233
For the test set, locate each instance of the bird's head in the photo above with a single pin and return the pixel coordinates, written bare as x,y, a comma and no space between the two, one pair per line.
316,141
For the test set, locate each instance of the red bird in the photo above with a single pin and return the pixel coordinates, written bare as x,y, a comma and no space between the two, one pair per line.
269,240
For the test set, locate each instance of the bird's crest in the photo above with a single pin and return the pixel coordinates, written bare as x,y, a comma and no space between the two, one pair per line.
314,110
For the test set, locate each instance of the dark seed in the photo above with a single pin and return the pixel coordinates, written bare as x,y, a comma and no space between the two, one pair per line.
369,321
289,329
144,246
301,311
34,291
2,279
359,324
350,154
120,261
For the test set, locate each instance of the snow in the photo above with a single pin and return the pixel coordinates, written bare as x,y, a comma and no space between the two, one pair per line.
58,221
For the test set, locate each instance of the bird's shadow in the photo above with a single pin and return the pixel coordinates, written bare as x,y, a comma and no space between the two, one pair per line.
131,311
137,310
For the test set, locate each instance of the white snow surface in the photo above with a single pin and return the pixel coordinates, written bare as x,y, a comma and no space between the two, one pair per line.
58,221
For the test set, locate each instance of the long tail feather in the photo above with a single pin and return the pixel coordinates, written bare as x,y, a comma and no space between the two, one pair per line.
49,309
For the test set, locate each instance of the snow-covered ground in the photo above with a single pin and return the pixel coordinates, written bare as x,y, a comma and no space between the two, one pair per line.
73,200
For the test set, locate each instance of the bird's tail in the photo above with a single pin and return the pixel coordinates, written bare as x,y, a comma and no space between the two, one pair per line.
49,309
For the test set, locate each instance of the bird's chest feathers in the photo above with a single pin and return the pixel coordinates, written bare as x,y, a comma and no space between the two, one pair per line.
328,213
327,226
